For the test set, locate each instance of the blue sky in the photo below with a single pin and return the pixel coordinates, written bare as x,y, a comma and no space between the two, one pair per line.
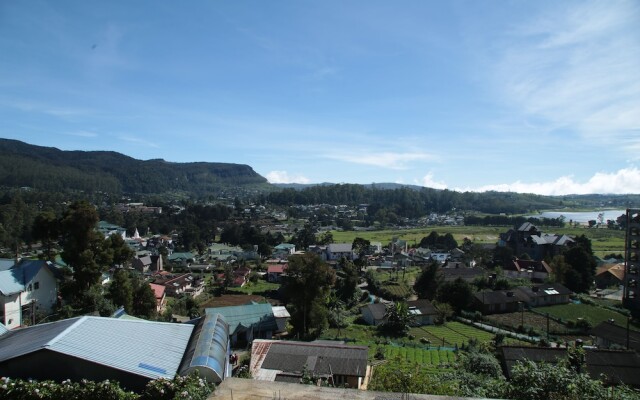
525,96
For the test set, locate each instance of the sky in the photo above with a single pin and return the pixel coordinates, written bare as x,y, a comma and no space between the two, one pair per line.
523,96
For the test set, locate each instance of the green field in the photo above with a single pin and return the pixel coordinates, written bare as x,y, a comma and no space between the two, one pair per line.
604,241
594,314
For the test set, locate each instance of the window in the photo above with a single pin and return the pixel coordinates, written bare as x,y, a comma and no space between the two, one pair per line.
29,288
36,286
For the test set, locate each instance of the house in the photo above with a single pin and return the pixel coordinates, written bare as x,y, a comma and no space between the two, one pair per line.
608,334
545,294
252,320
338,251
132,352
177,284
285,361
286,248
275,272
499,301
141,264
27,288
536,271
609,275
539,246
182,259
423,311
611,366
159,291
373,314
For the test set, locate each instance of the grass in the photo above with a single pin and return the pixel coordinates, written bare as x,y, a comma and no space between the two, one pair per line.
604,241
261,287
594,314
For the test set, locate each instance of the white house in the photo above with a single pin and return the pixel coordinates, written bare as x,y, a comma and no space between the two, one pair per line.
27,287
336,251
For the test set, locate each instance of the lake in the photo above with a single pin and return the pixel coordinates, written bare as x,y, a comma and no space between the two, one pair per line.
582,217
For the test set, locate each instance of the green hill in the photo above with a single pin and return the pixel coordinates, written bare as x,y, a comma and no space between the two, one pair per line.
51,169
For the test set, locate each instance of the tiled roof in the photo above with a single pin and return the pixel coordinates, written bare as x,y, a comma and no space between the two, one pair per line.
425,306
276,269
617,334
377,310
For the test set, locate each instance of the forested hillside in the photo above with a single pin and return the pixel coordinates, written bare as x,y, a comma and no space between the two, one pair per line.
50,169
411,203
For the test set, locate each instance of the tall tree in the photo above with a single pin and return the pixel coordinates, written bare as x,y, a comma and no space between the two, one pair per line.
121,290
398,319
457,293
83,245
308,282
427,283
46,228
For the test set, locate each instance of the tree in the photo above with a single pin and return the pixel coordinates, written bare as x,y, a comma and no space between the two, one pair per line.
361,247
121,253
427,283
583,268
397,319
46,228
458,294
144,300
325,238
308,282
83,245
121,290
347,283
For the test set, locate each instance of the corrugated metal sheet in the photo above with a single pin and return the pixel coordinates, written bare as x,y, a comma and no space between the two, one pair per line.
13,280
26,340
149,349
208,348
257,315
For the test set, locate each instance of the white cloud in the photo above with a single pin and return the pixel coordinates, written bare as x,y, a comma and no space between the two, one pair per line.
624,181
284,177
388,160
86,134
577,68
428,181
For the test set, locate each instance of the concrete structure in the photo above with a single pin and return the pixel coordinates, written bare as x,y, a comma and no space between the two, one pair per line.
631,295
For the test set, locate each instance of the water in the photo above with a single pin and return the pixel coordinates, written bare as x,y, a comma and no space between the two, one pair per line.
582,217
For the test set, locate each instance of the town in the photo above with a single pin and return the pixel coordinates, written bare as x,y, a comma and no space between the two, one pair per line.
286,296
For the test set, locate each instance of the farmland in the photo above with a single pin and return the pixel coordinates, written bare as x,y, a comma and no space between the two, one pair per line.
593,314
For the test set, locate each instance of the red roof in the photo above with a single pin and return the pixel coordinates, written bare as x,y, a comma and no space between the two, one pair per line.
276,269
158,290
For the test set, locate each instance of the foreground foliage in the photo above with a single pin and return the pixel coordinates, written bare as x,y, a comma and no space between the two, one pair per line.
181,387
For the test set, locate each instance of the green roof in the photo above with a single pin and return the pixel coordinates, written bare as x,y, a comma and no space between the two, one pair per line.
240,318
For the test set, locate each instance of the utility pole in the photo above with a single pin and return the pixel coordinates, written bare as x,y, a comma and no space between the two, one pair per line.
547,327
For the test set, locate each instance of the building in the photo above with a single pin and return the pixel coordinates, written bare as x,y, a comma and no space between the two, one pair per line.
538,245
338,251
275,272
535,271
132,352
608,334
423,311
631,295
545,294
159,291
374,313
285,361
250,321
27,288
610,275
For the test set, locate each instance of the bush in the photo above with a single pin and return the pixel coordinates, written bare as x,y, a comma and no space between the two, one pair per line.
180,387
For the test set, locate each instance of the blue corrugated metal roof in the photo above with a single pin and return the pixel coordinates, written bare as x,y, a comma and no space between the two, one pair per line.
150,349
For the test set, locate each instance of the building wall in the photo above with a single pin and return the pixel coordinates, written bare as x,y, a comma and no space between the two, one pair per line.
631,294
12,316
45,364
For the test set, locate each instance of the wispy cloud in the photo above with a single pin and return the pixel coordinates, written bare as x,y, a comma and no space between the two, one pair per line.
284,177
44,108
577,68
390,160
138,140
624,181
86,134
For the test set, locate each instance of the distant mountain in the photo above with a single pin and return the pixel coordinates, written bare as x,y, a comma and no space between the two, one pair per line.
383,185
51,169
